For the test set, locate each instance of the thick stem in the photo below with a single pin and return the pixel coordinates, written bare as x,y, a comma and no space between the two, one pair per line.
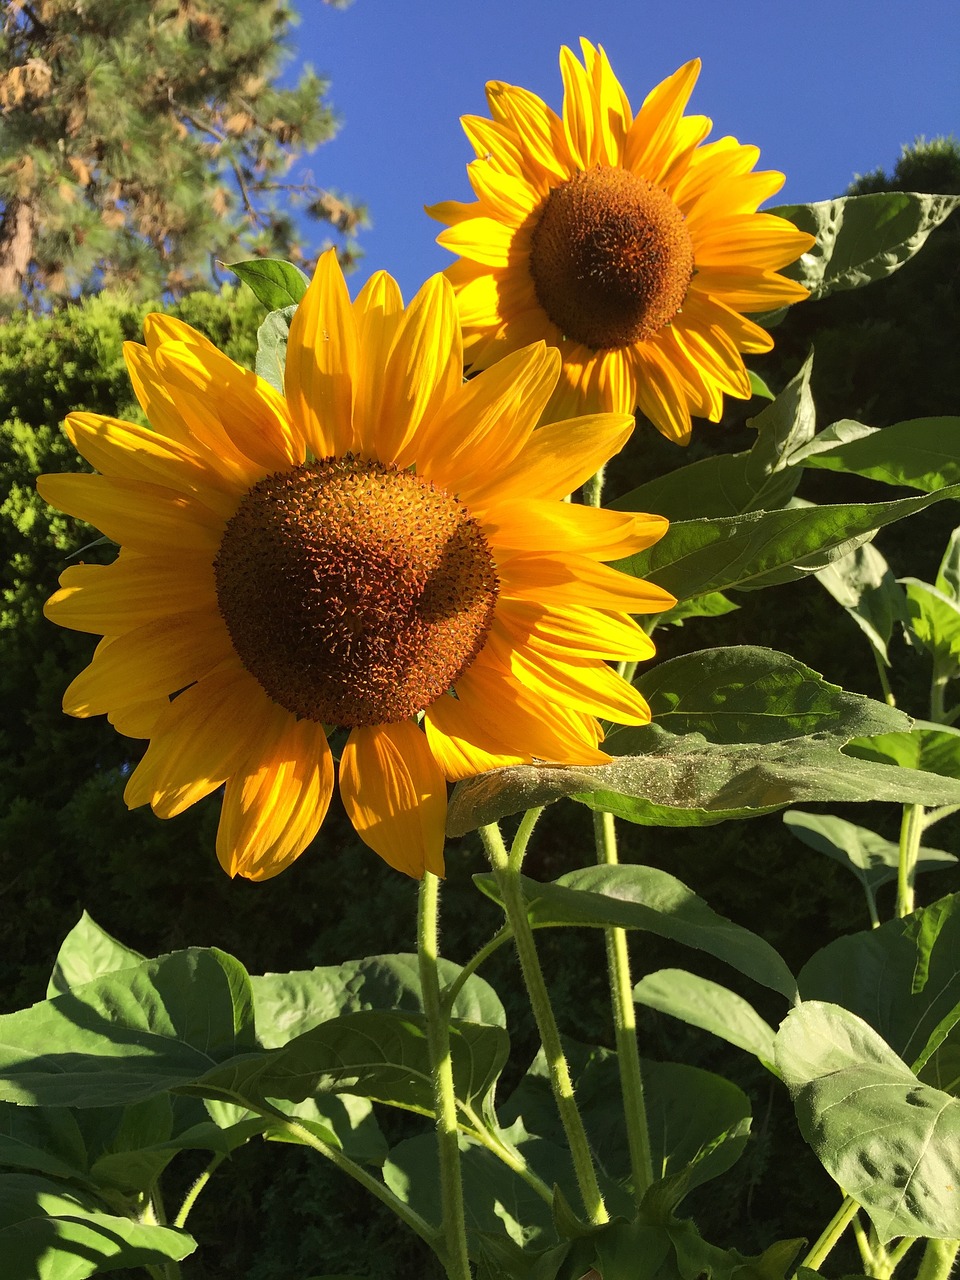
831,1234
625,1024
938,1259
911,833
508,880
453,1225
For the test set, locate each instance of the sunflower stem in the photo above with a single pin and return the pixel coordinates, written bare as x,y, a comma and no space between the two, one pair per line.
508,881
593,489
190,1199
625,1024
831,1234
938,1259
453,1224
911,833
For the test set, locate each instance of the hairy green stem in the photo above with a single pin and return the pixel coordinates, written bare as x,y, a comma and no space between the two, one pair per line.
831,1234
911,833
888,697
938,1259
379,1190
508,879
625,1024
449,995
593,489
190,1199
938,814
453,1224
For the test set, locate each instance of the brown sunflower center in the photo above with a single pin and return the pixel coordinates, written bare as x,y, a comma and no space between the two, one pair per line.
611,258
354,593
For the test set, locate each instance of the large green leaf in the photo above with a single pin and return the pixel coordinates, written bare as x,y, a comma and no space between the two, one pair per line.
728,484
709,1006
656,902
935,623
903,978
765,548
890,1141
87,952
871,858
684,781
287,1004
130,1034
932,747
862,238
923,453
378,1055
746,693
43,1140
275,283
948,575
50,1233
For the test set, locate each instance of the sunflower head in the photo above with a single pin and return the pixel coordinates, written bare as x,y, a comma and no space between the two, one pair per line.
623,240
383,549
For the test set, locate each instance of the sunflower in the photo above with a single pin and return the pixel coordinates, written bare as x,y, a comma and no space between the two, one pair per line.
370,556
620,240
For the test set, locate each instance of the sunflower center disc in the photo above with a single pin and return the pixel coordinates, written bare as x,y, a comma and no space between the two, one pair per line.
353,592
611,258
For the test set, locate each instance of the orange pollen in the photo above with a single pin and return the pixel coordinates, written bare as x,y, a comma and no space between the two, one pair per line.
611,258
354,593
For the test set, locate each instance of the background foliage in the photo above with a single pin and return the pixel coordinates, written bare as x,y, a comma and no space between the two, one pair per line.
67,842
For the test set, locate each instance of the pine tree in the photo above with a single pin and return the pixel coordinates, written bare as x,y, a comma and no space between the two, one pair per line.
142,140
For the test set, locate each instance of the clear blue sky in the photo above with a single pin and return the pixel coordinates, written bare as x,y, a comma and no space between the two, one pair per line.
825,90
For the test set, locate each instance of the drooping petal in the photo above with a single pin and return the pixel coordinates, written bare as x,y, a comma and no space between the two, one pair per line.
274,807
459,746
395,795
321,369
143,517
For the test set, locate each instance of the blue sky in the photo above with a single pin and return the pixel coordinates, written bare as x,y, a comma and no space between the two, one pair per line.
826,90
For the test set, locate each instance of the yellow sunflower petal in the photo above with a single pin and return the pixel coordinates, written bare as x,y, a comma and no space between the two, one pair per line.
579,114
740,194
460,748
575,580
424,368
533,524
139,718
748,290
585,685
494,143
505,196
378,308
112,599
750,240
662,394
200,740
480,239
495,706
651,145
144,517
710,316
156,659
482,427
395,795
574,632
130,452
321,368
537,129
556,459
273,808
613,107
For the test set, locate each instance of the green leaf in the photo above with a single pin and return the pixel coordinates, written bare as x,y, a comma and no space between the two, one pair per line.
378,1055
272,347
862,238
128,1035
43,1140
746,693
948,575
935,623
902,978
871,858
276,283
342,1120
934,748
288,1004
698,1122
765,548
50,1233
712,605
923,453
758,387
891,1142
686,781
709,1006
729,484
649,899
87,952
863,583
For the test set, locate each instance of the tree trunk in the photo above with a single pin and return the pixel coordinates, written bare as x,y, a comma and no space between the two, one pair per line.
16,245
